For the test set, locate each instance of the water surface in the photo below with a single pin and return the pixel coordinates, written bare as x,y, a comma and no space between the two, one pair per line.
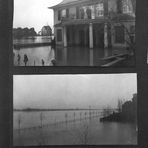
57,129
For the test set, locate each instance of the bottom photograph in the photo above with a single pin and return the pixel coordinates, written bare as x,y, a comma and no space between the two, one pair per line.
71,109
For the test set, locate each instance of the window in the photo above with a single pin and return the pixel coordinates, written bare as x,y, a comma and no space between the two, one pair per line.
64,13
88,12
59,35
67,13
77,12
127,6
119,34
82,13
100,10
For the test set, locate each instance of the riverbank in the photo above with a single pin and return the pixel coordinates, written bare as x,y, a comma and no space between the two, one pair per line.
117,117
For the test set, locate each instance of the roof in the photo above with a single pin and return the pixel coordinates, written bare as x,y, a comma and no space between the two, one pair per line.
47,27
67,2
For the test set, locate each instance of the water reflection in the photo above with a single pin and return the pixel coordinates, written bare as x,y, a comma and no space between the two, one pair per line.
81,56
37,56
68,127
70,56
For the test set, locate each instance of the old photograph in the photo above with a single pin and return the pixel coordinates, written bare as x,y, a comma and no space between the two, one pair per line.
74,33
94,109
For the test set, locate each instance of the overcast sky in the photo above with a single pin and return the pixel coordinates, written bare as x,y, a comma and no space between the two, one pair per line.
71,91
33,13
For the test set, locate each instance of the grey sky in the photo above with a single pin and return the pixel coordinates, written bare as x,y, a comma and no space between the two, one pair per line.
71,91
33,13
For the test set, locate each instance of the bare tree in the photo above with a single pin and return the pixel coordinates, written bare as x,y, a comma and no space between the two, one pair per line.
119,105
115,18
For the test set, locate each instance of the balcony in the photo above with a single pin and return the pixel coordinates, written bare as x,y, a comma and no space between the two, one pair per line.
74,21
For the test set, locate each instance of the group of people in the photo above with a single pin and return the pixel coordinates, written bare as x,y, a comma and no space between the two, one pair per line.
25,59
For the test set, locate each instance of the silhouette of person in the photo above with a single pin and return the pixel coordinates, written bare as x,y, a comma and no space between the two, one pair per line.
53,61
18,59
34,62
25,59
43,62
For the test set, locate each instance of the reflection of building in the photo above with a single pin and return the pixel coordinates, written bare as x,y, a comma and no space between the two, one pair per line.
46,31
100,23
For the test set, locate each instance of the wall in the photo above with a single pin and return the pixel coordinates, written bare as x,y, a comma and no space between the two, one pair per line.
56,21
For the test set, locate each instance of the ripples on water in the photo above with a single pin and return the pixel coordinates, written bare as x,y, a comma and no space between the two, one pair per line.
84,131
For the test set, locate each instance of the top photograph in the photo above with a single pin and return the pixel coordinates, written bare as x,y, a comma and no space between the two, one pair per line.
74,33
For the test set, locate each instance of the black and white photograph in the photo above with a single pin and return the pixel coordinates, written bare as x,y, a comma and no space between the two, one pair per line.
75,109
74,33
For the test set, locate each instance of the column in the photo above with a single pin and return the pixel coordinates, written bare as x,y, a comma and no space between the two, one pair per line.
91,57
105,36
90,35
65,36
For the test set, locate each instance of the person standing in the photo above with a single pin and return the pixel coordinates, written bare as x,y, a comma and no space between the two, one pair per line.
18,59
25,59
43,62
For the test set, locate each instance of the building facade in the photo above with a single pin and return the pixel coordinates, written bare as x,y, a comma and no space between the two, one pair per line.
94,23
46,31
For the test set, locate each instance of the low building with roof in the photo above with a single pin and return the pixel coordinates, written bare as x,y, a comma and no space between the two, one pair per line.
94,23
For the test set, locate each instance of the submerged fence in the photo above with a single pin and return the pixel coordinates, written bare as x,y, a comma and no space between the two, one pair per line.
67,124
85,116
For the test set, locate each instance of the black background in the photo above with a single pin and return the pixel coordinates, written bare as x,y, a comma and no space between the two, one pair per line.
7,71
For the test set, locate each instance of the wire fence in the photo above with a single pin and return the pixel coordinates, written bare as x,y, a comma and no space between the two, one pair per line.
45,132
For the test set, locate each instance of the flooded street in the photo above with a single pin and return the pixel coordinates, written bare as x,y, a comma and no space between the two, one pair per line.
35,56
71,56
58,130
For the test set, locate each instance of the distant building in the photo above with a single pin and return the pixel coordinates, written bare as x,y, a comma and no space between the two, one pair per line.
129,109
94,23
46,31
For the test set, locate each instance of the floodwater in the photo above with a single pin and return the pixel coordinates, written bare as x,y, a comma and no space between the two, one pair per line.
69,128
70,56
36,39
35,56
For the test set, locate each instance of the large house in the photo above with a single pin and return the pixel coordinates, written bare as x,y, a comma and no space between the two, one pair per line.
46,31
94,23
